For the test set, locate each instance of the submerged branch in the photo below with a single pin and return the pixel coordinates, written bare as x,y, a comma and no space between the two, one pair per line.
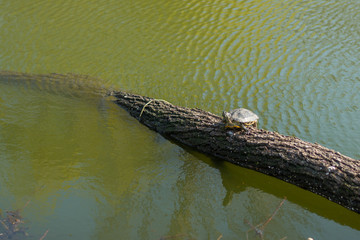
259,229
44,235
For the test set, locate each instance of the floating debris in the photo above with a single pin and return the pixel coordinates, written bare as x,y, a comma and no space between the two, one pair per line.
12,226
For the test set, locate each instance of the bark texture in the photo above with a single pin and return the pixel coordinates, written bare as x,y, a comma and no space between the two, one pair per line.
307,165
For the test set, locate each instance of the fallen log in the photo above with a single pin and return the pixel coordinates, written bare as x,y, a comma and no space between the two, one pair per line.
308,165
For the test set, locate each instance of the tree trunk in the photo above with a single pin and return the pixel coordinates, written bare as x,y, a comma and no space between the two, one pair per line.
307,165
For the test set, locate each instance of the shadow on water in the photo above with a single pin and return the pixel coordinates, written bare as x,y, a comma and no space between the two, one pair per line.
236,180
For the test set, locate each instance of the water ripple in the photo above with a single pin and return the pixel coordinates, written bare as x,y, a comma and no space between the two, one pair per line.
293,62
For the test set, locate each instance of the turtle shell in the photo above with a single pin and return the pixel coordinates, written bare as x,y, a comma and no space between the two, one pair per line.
243,115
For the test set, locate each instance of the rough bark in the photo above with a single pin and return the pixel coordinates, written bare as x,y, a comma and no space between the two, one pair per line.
307,165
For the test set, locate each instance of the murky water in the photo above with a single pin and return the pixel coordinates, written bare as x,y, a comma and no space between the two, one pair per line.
89,171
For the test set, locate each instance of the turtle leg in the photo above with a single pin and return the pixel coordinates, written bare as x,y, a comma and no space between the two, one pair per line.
242,126
232,126
229,125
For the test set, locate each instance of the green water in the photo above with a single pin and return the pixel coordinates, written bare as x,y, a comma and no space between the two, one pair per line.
89,171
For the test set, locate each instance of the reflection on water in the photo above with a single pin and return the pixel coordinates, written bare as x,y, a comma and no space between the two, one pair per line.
92,172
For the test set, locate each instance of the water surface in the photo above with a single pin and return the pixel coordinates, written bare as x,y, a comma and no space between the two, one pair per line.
90,171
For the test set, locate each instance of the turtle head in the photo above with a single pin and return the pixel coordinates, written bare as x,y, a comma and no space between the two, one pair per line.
226,116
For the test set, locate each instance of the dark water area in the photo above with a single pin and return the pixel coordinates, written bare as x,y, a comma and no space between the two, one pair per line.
86,170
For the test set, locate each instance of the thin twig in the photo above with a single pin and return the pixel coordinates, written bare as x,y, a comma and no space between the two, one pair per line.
5,226
276,210
142,110
44,235
27,203
152,100
259,229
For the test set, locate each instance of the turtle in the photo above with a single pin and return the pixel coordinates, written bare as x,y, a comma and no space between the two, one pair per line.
240,118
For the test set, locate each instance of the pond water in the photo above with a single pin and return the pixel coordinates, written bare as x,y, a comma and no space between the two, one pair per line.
79,166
